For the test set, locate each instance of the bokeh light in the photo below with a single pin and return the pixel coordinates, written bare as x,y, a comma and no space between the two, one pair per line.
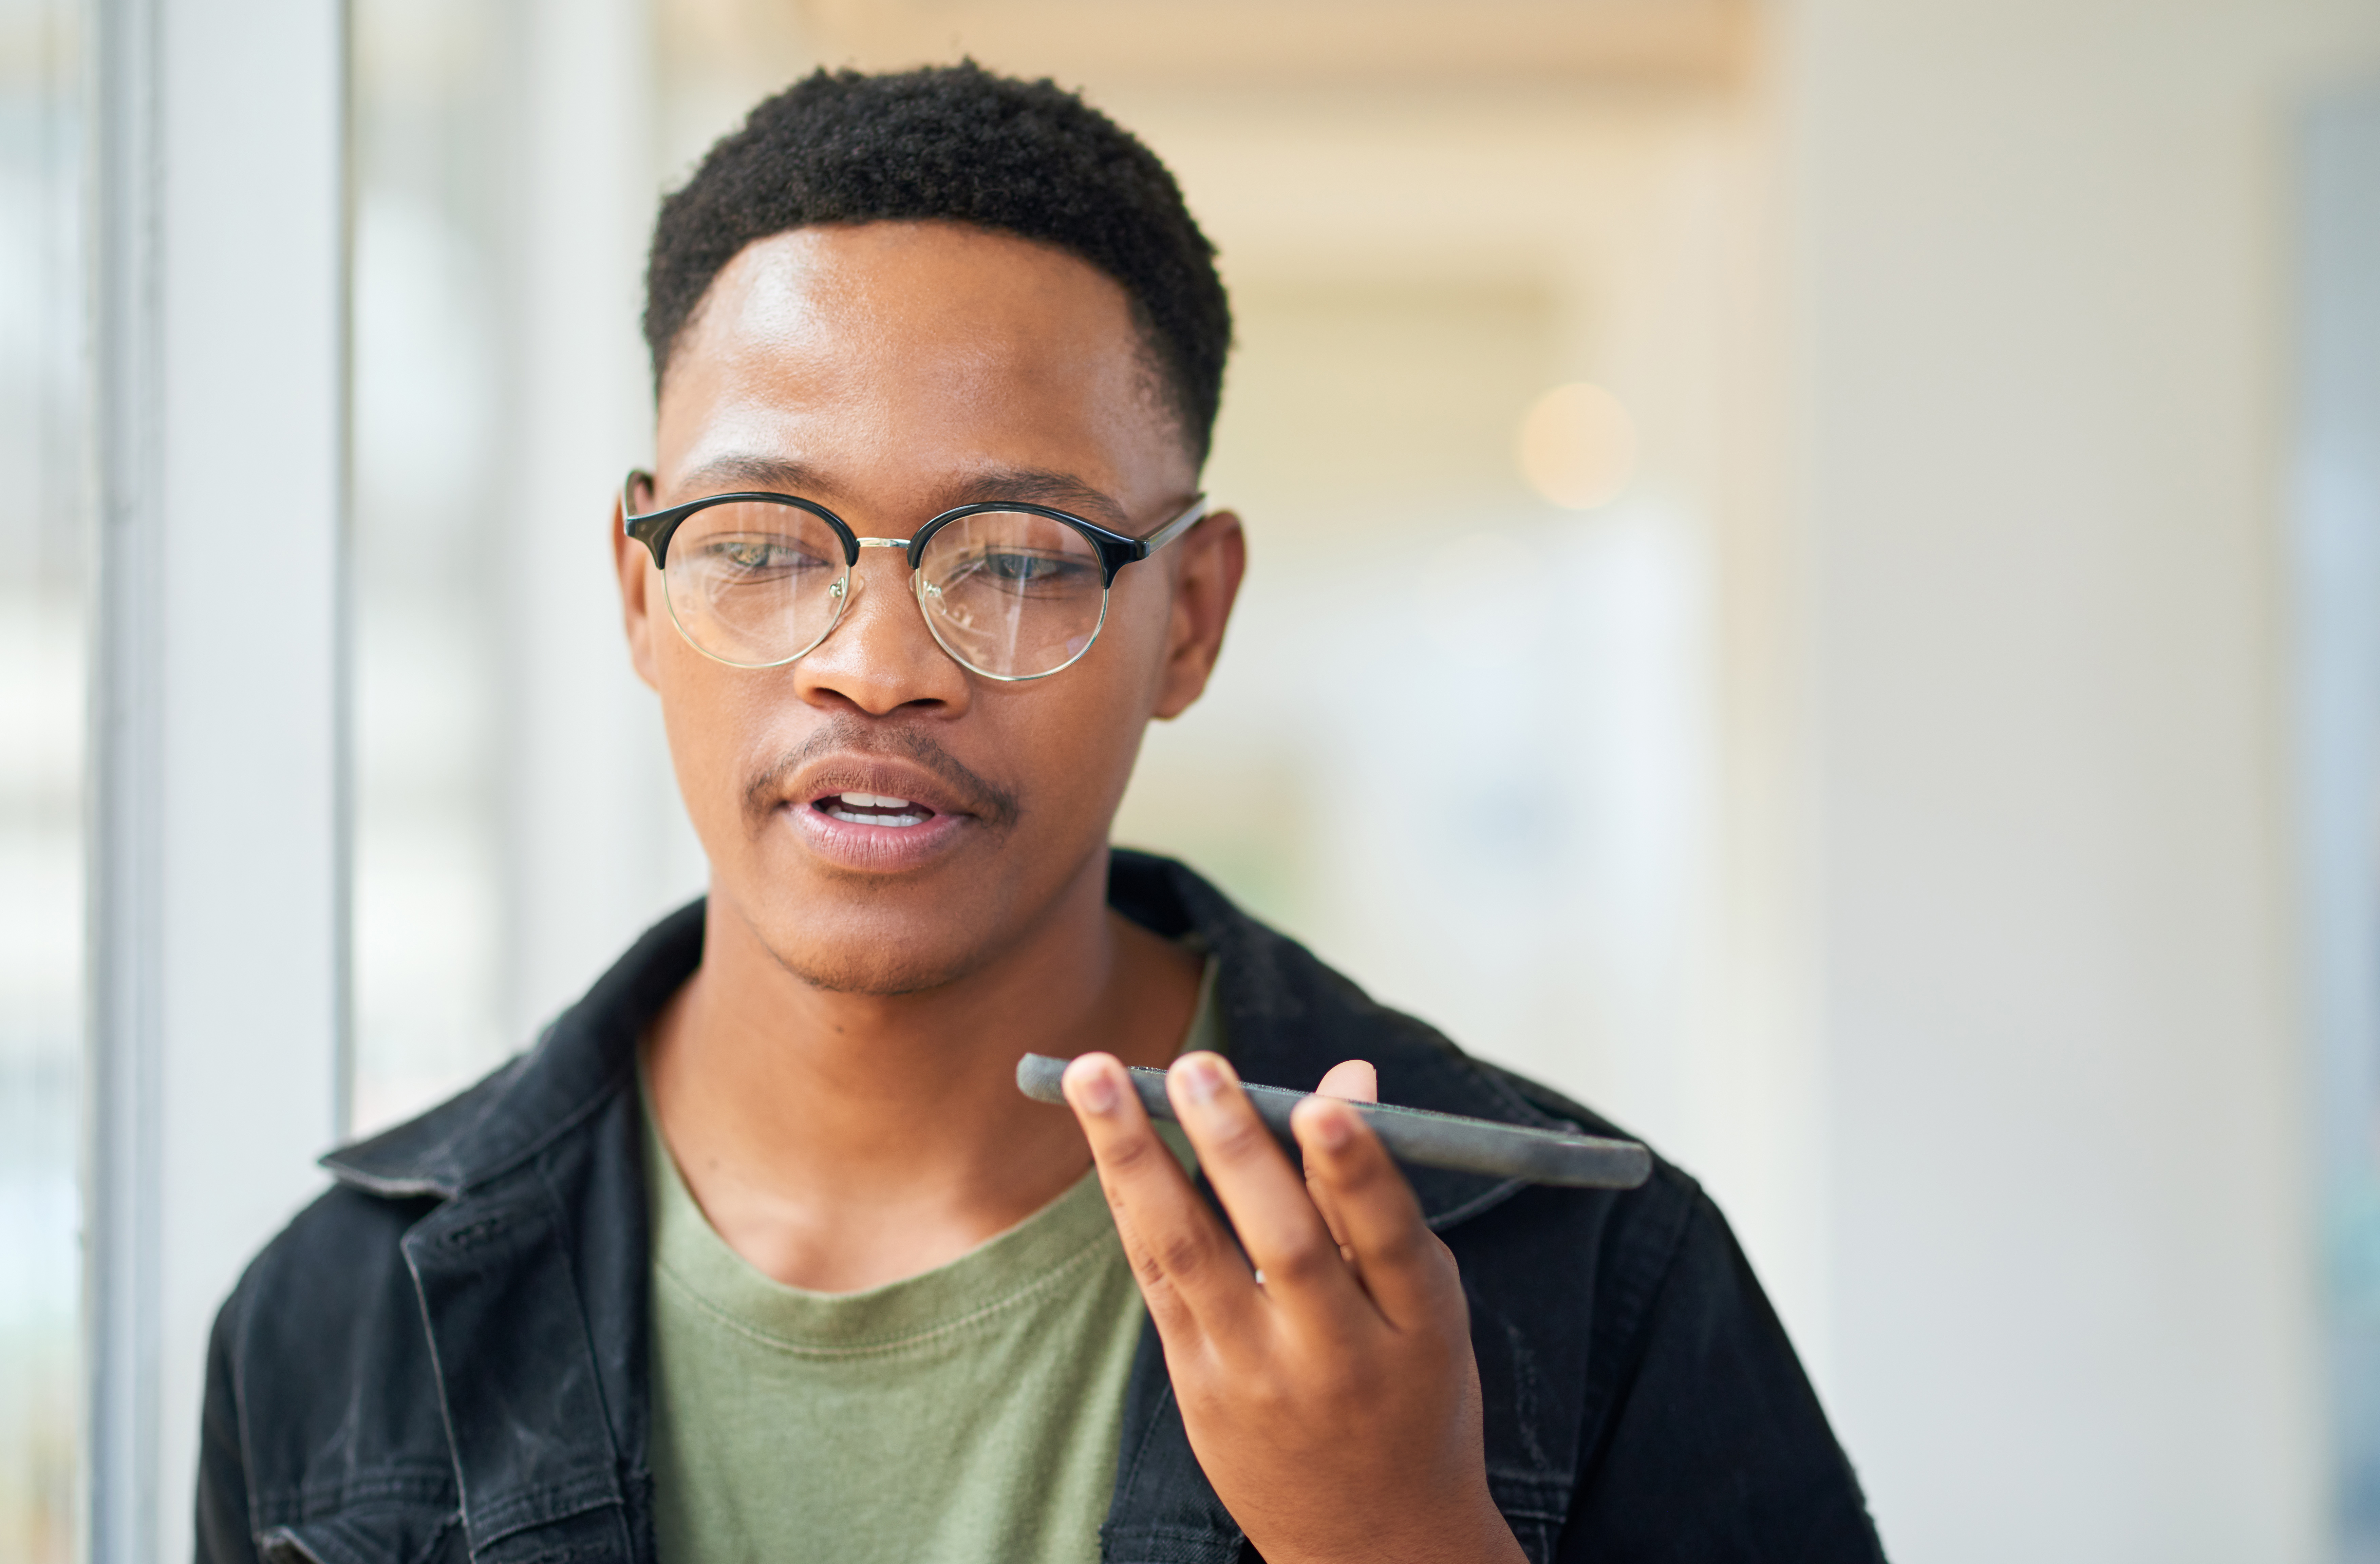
1578,446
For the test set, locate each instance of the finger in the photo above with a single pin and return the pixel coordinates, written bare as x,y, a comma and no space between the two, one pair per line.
1190,1274
1405,1269
1263,1196
1110,1117
1355,1080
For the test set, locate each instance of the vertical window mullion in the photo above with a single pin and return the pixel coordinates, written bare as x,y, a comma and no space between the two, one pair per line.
218,819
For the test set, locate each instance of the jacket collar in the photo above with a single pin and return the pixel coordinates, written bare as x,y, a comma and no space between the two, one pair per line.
1289,1018
584,1059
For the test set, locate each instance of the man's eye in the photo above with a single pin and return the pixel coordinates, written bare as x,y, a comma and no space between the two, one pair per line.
753,555
1022,568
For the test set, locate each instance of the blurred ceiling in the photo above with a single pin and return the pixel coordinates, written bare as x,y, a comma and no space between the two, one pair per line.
1258,41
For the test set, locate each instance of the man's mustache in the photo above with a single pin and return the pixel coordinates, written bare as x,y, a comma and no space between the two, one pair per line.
845,734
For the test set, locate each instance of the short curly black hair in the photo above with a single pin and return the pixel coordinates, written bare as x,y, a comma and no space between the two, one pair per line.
963,144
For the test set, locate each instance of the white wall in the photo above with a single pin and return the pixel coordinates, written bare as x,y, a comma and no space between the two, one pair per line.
2040,314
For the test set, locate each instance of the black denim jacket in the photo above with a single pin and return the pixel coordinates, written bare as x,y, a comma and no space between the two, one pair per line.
443,1357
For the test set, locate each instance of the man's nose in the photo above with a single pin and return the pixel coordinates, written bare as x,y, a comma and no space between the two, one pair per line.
881,657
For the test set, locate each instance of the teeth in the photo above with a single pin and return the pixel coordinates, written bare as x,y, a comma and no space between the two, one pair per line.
876,809
841,812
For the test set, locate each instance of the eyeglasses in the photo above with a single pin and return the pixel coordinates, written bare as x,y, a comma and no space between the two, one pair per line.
1011,590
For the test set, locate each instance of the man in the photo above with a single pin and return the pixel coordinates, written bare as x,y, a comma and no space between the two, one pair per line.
759,1254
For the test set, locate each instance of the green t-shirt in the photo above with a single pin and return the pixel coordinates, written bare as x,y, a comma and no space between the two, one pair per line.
971,1413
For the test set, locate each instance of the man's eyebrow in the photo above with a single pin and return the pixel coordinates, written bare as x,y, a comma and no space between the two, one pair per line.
1060,490
777,475
783,475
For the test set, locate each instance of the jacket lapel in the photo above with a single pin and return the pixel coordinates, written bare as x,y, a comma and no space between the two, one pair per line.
518,1382
531,1273
1164,1510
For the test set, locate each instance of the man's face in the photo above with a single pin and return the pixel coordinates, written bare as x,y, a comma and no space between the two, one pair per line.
890,371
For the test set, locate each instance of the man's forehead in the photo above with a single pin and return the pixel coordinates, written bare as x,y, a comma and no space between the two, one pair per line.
931,315
830,276
1004,368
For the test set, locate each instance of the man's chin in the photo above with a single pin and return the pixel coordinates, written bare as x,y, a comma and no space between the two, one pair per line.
874,949
870,973
906,934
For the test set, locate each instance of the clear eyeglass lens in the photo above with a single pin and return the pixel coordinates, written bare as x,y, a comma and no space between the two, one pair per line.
1011,594
754,583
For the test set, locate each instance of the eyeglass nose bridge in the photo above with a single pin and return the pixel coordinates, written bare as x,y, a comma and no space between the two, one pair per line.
845,583
842,589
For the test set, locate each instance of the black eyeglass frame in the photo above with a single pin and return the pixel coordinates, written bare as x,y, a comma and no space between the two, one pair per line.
655,529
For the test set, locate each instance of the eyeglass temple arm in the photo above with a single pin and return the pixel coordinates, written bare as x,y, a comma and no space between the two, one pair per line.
1174,528
630,520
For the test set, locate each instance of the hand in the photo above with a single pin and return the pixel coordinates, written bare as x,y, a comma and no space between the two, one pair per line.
1329,1391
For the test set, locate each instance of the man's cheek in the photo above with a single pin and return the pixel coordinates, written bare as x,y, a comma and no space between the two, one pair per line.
709,762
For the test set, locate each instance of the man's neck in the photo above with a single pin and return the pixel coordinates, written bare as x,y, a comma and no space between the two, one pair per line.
840,1141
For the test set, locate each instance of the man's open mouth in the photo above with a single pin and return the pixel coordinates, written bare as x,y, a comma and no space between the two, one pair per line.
872,809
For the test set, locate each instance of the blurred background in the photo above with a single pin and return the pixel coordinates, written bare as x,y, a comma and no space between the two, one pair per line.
1896,722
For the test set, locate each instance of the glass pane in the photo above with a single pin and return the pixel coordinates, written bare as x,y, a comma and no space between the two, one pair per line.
429,914
502,190
41,774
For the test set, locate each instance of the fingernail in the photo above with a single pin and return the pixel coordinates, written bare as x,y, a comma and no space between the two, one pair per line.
1202,1078
1334,1132
1095,1090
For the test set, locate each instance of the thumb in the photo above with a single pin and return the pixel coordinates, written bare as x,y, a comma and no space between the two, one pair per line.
1353,1079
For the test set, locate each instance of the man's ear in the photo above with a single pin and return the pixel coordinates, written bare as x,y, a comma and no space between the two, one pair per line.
640,596
1212,560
